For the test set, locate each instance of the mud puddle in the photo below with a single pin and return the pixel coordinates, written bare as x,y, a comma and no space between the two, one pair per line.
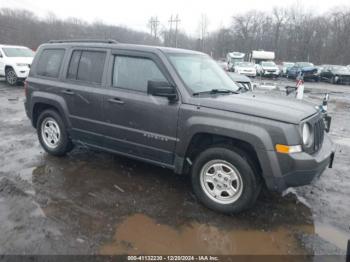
139,234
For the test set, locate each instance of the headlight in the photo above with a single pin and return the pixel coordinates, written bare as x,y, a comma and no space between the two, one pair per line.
306,133
21,64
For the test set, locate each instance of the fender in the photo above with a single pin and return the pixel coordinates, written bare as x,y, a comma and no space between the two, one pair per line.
53,100
253,131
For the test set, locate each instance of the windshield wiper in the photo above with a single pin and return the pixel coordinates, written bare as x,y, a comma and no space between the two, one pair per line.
216,91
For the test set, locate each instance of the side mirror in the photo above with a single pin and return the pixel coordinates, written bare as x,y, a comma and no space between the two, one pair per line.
161,88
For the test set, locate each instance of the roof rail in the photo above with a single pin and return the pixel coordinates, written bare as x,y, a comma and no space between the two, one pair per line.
106,41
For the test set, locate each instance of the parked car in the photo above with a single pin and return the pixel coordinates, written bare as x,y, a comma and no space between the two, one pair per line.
177,109
268,69
309,71
244,82
336,74
285,67
15,63
245,68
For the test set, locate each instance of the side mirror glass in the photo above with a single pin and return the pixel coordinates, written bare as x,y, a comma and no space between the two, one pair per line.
161,88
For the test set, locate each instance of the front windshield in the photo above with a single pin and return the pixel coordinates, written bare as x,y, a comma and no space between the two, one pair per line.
236,60
246,64
268,64
18,52
200,73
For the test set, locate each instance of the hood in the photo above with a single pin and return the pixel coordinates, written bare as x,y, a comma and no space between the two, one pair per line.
270,67
246,68
22,60
260,105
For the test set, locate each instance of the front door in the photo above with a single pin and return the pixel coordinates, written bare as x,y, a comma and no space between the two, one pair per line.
139,124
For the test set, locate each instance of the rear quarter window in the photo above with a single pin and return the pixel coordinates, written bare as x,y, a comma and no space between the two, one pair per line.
50,62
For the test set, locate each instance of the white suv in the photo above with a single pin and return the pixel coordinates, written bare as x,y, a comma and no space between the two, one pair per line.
15,62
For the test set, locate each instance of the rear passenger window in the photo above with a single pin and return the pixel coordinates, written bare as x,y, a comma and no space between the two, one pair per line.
134,73
50,62
87,66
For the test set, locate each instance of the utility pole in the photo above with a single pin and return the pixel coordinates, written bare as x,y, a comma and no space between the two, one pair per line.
153,23
170,29
177,21
172,20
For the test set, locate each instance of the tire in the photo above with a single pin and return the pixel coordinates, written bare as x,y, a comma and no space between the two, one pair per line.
52,133
244,178
11,77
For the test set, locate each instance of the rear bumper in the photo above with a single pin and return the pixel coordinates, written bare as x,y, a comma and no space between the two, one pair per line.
300,169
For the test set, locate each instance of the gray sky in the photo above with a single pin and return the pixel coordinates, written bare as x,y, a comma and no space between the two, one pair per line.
135,13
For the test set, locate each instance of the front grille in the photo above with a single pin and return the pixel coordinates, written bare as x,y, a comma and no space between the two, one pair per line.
319,129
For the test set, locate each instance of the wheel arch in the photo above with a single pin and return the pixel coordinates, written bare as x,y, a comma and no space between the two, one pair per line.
201,141
48,101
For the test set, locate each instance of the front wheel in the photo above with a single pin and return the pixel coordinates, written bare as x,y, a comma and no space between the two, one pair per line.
225,180
11,77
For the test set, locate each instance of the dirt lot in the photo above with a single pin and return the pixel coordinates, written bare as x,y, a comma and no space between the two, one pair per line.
96,203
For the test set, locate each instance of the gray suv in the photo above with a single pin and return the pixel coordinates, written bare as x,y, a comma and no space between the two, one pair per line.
177,109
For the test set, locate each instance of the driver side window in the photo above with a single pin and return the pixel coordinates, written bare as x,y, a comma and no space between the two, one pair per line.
134,73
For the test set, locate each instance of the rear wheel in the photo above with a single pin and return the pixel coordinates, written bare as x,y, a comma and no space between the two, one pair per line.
225,180
11,77
52,133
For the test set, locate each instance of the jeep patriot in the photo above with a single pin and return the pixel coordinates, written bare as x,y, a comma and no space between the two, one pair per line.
177,109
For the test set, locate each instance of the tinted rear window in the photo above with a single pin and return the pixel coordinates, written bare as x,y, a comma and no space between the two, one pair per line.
50,62
87,66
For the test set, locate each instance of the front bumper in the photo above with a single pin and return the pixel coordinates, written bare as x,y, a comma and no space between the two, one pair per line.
298,169
251,74
267,73
22,72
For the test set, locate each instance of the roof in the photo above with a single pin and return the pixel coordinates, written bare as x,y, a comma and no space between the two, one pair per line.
236,54
116,45
263,54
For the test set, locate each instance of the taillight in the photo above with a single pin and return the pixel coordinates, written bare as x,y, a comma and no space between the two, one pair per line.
25,88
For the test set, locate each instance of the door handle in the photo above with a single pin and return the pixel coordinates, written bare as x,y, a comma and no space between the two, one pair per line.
116,100
68,92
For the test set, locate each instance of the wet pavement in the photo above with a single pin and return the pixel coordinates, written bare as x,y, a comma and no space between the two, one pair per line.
91,202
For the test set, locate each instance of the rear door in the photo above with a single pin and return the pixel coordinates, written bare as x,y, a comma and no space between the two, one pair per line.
83,89
139,124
